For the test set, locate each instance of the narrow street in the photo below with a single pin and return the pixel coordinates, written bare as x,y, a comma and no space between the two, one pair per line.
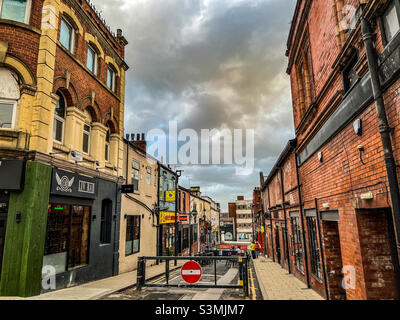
226,274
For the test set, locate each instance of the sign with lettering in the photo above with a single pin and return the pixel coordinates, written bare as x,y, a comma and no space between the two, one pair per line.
127,188
73,185
167,217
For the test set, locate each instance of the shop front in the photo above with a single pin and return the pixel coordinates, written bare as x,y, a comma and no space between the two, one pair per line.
81,242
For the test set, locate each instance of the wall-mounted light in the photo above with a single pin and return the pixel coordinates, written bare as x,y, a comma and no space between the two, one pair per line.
18,217
325,205
357,125
320,156
125,216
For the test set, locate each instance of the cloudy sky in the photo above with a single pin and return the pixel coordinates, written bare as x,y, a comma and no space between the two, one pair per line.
209,64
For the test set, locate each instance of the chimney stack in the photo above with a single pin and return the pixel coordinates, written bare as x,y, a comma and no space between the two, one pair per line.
140,141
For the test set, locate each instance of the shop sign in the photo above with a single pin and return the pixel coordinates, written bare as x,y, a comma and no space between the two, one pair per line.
167,217
12,174
262,229
183,218
170,196
73,185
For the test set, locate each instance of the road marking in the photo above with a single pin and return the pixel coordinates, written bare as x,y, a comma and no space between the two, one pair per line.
190,272
253,290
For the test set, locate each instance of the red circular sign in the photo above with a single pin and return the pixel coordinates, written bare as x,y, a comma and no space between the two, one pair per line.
191,272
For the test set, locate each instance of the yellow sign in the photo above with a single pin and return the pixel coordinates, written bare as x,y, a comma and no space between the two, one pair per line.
167,217
170,195
240,259
262,229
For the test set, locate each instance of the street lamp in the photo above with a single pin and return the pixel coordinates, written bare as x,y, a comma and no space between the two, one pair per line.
194,214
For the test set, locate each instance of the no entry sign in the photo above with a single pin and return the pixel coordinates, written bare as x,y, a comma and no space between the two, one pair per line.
191,272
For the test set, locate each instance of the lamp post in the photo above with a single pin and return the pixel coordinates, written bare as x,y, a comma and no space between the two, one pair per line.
194,214
178,174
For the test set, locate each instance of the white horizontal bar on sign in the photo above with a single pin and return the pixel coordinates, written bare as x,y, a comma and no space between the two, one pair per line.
190,272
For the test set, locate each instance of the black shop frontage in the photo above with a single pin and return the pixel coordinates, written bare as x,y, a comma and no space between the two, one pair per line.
82,235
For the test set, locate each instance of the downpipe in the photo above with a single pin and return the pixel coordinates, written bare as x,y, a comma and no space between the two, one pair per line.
384,130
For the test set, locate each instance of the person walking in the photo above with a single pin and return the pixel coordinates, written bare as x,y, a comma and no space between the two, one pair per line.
257,249
253,251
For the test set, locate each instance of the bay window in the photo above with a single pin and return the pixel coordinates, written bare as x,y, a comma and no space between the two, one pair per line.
16,10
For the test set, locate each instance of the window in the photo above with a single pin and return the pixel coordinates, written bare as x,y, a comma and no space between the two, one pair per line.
297,244
135,174
106,222
86,134
59,119
390,21
9,96
132,244
92,60
314,247
67,35
148,175
111,78
107,147
16,10
350,76
185,240
7,114
67,237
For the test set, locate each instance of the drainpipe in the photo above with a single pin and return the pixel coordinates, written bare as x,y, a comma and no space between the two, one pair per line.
307,270
384,129
321,248
271,227
285,215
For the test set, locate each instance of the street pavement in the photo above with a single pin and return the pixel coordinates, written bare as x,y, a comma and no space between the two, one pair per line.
277,284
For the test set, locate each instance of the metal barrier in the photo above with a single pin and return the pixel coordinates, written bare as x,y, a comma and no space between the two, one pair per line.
243,262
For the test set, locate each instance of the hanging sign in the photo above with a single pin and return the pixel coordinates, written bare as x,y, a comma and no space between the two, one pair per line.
167,217
170,196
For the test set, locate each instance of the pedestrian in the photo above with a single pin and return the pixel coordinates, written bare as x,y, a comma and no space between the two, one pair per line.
257,249
253,251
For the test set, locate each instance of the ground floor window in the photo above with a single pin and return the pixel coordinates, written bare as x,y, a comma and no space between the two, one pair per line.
314,247
297,244
132,244
67,237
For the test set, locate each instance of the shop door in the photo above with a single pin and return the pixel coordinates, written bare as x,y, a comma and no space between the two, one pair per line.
285,248
3,224
278,246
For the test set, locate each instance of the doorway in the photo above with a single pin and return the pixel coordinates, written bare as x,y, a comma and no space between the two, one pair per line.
278,246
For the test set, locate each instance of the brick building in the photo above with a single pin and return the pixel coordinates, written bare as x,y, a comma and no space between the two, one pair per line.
343,65
62,79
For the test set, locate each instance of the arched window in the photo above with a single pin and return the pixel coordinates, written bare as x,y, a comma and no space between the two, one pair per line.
87,129
67,35
16,10
92,58
9,96
59,118
111,77
107,146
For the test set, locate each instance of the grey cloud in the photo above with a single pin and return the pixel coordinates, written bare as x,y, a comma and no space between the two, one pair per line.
209,64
